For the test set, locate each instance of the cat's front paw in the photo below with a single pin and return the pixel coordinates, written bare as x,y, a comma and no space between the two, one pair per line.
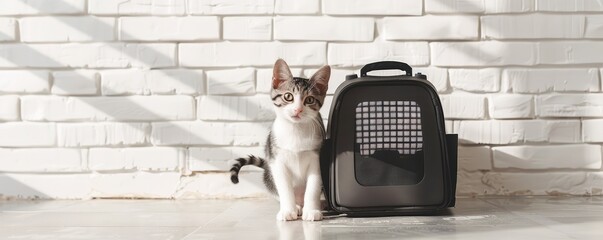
286,215
298,208
312,215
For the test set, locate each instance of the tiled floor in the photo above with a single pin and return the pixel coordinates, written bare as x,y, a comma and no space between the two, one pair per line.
490,218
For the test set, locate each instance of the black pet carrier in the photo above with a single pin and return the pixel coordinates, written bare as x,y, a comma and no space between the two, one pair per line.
386,150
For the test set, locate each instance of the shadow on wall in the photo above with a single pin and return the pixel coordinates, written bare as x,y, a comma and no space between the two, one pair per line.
569,166
198,179
109,110
4,36
522,171
16,188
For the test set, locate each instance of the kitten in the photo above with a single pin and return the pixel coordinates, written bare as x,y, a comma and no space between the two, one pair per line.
291,168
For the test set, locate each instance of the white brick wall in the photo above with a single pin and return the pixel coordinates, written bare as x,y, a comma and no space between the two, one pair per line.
151,98
377,7
359,54
551,80
21,81
235,108
296,7
102,134
530,26
29,7
231,54
78,82
591,130
509,6
547,157
570,105
9,108
482,54
154,7
87,55
230,7
27,134
248,28
569,5
250,134
506,106
42,160
456,106
475,158
593,27
67,29
454,6
581,52
475,80
145,82
537,183
132,108
518,131
324,28
35,185
144,158
436,27
168,28
191,133
217,158
8,29
236,81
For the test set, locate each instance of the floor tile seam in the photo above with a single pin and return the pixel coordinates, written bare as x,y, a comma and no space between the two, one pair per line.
208,222
542,221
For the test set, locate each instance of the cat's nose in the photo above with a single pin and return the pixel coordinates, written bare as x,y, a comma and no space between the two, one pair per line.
297,111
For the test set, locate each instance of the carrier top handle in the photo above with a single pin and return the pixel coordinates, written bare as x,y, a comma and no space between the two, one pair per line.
386,65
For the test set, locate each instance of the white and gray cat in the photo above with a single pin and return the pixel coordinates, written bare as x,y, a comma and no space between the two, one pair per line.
291,168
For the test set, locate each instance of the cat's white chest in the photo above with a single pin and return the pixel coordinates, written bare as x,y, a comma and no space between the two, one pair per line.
296,137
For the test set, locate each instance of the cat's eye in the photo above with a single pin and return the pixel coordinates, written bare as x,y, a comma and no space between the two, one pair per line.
288,97
309,100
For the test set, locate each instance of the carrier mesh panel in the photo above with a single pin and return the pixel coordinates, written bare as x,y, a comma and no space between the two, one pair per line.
388,125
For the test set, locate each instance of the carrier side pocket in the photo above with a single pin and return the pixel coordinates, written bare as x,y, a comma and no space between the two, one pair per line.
452,147
326,158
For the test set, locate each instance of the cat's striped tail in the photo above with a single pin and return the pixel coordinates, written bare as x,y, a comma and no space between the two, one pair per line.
240,162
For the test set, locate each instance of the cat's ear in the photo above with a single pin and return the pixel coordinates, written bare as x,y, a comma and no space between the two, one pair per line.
280,73
321,78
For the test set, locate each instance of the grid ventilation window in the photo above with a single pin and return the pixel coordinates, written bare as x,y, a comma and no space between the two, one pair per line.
388,125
